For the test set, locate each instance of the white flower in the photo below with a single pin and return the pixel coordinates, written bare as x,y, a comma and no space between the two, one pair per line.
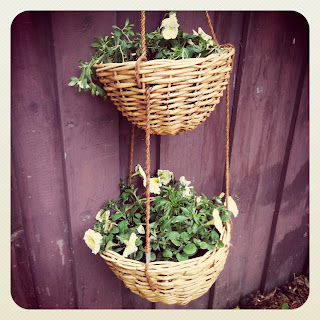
140,229
170,27
130,245
81,85
142,174
155,185
103,215
165,176
186,192
184,182
204,36
232,206
198,199
92,239
217,220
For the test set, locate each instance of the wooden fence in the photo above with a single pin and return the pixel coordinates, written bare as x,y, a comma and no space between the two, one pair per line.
69,151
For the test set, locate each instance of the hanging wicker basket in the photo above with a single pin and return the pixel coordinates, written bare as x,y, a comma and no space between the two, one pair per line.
174,282
183,92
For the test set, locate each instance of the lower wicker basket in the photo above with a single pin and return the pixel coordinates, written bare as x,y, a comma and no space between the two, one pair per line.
183,92
174,282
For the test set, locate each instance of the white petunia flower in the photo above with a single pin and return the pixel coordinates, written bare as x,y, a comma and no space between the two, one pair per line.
140,229
142,174
155,185
232,206
103,215
130,245
165,176
198,199
170,27
217,220
184,182
186,192
92,239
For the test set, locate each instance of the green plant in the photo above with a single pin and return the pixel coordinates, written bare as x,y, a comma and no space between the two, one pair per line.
182,225
167,42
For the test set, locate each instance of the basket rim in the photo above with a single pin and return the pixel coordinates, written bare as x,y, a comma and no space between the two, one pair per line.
138,264
227,46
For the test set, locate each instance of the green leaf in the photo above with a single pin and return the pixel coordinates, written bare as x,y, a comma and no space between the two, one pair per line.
179,219
127,22
153,256
190,249
220,244
72,83
109,245
95,45
203,245
214,235
116,216
180,257
185,211
285,306
176,242
114,230
167,253
184,236
173,235
139,255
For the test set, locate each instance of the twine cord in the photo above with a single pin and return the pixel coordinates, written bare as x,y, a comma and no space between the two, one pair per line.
211,27
131,153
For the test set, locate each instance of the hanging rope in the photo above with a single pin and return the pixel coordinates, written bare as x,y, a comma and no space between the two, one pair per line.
131,153
147,248
143,56
211,28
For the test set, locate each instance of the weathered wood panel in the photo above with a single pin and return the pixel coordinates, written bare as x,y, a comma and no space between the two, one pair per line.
91,151
36,151
70,150
291,241
200,153
22,289
267,98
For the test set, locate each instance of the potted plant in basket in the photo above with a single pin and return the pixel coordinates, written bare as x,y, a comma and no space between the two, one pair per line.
187,74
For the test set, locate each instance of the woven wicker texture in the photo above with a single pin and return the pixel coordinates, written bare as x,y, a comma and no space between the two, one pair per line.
174,282
183,92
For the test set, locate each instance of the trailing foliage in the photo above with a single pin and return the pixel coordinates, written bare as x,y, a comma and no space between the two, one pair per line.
124,45
182,225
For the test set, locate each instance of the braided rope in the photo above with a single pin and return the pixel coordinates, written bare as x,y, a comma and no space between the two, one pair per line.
211,28
147,248
131,153
143,56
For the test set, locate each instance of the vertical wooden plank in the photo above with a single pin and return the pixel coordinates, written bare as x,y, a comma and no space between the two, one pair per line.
291,240
91,149
36,149
22,289
266,102
199,155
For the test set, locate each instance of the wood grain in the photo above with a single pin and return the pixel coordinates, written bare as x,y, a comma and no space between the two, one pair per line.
36,150
266,102
22,289
291,241
91,151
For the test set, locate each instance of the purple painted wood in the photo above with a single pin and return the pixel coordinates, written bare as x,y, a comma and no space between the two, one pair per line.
291,241
200,153
91,151
22,289
70,149
36,151
266,102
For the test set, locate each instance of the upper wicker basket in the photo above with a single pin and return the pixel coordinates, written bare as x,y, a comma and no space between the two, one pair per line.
183,92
